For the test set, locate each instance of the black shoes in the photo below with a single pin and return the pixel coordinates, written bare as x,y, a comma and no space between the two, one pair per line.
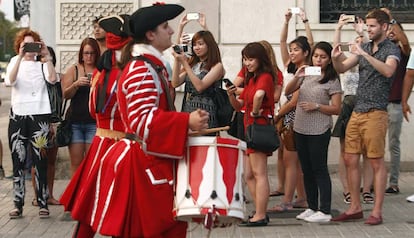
248,223
392,190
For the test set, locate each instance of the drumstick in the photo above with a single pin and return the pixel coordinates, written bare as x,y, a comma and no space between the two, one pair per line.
208,131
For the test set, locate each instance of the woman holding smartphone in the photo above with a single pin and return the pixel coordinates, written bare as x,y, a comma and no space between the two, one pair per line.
258,101
319,99
76,86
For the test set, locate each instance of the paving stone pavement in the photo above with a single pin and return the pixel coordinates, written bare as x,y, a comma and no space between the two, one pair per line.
398,218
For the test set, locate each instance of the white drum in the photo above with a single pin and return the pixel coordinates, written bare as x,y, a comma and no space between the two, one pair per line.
209,181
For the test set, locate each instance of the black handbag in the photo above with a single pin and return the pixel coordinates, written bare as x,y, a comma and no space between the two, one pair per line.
64,130
262,137
55,98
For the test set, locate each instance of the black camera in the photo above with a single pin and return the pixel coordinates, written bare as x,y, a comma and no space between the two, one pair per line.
181,48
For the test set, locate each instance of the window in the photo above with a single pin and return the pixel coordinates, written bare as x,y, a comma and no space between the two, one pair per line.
402,10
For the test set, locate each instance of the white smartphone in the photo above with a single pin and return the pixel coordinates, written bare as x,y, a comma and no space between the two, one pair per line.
190,35
193,16
295,10
313,70
349,18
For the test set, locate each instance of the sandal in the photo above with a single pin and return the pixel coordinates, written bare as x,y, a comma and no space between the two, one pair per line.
53,201
16,213
44,213
367,198
276,193
347,198
283,207
300,203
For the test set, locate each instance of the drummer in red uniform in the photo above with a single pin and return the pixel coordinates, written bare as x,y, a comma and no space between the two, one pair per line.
135,180
80,193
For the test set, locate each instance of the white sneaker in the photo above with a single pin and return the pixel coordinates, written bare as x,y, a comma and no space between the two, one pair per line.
319,217
410,198
307,213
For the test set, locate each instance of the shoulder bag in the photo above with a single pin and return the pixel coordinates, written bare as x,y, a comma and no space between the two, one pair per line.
262,137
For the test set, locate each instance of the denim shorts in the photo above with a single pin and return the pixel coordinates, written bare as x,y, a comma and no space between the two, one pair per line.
83,132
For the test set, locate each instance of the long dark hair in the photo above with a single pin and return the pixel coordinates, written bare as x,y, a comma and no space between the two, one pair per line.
330,72
213,52
256,50
303,43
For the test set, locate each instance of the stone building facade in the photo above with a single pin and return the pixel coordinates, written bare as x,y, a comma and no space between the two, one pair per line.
64,23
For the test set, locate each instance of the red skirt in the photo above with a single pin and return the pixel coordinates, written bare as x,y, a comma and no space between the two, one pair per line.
75,194
134,194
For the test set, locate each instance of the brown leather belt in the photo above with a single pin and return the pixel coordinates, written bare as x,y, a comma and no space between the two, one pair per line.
117,135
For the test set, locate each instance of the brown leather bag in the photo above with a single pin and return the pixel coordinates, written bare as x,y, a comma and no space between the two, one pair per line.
286,134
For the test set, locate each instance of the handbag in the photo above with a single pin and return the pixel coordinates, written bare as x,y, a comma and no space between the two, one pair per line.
55,99
64,130
262,137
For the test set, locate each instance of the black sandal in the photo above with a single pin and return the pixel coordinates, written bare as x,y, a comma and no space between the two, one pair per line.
367,198
347,197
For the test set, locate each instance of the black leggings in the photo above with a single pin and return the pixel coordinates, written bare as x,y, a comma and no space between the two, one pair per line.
313,157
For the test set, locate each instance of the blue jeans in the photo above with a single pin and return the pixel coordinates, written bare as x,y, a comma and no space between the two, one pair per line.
395,119
83,132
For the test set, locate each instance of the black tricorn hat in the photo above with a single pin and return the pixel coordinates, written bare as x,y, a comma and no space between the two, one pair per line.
115,24
148,18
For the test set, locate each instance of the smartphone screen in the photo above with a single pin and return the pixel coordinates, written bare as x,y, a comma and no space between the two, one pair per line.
349,18
193,16
313,70
344,47
295,10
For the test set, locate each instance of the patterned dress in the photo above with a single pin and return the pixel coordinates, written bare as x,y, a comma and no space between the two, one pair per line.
203,100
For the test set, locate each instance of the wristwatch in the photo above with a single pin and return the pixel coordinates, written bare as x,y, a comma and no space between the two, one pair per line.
393,21
318,106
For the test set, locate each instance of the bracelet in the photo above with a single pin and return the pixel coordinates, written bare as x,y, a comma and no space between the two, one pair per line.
306,20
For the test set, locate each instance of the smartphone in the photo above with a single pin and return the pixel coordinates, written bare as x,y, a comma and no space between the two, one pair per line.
295,10
344,47
228,82
193,16
89,75
349,18
313,70
32,47
190,35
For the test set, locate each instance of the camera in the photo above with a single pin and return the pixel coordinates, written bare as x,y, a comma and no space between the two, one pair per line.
32,47
181,48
